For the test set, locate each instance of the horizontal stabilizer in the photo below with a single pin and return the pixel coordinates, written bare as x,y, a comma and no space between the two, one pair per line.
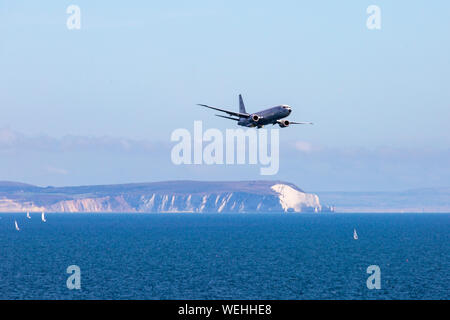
218,115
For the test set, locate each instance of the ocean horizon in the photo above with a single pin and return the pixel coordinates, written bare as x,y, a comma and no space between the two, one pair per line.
299,256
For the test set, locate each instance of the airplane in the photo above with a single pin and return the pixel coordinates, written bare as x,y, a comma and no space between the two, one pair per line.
259,119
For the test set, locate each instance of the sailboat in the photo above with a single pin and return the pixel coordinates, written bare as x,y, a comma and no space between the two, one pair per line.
28,215
355,235
43,217
17,226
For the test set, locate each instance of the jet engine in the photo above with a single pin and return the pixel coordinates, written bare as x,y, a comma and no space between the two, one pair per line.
255,118
283,123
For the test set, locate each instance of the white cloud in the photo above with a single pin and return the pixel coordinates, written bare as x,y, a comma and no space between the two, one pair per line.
303,146
11,140
8,137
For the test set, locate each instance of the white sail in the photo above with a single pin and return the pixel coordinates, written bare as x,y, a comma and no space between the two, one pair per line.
17,226
43,217
28,215
355,235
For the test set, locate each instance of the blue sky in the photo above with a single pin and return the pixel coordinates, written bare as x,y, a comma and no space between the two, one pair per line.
135,71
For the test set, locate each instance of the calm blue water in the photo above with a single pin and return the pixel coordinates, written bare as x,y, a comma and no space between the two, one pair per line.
187,256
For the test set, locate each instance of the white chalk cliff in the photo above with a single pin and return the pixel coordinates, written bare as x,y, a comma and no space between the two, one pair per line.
161,197
293,199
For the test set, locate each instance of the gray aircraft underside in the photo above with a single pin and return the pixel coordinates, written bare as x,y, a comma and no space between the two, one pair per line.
259,119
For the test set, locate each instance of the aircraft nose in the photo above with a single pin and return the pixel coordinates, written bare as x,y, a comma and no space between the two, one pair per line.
287,108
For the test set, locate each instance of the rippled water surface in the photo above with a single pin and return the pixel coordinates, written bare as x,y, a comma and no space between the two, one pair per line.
187,256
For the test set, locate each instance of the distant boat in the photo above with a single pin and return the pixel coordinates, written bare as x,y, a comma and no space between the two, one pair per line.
17,226
28,215
43,217
355,235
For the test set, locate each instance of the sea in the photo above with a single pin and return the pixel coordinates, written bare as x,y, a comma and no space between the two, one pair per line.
225,256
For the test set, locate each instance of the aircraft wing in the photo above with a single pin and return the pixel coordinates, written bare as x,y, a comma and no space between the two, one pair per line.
293,122
231,113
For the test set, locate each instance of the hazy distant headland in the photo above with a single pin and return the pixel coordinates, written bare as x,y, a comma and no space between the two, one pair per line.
432,200
159,197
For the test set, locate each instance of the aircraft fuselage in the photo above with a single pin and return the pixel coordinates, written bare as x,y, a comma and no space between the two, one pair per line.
268,116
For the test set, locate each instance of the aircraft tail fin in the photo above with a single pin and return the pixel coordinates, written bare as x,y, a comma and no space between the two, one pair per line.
241,105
